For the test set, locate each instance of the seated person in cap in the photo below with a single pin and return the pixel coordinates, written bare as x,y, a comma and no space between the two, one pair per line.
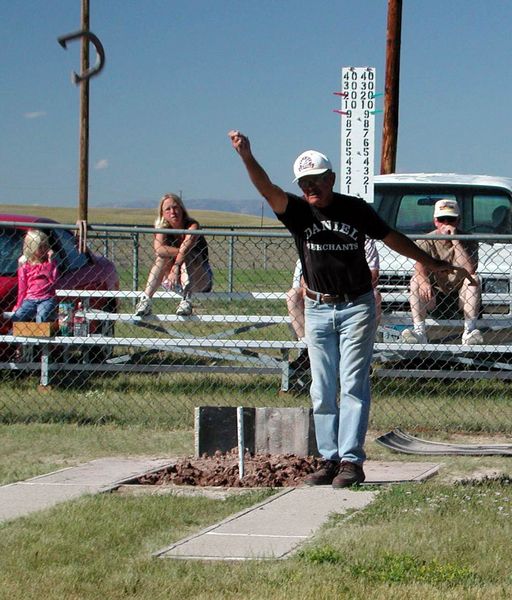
427,288
295,300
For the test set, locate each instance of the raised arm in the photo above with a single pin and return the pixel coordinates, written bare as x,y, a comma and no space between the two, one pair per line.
272,193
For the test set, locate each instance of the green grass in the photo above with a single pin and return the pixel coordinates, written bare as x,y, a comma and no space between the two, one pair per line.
256,279
168,399
442,405
164,399
452,536
435,540
51,555
33,449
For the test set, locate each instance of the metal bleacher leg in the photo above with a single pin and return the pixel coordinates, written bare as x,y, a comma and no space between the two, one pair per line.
45,365
285,370
27,353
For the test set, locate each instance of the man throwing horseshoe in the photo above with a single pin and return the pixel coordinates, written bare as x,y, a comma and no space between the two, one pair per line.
329,230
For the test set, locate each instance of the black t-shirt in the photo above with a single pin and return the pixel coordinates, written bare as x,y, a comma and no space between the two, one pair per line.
330,242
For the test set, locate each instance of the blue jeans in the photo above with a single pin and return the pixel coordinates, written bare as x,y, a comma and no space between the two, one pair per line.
340,341
40,310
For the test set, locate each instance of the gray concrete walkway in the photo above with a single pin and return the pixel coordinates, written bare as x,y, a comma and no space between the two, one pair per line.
273,529
24,497
277,527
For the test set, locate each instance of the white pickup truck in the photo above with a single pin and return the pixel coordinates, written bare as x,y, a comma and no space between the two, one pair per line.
406,202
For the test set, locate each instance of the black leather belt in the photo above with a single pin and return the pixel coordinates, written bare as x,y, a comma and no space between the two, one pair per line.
330,298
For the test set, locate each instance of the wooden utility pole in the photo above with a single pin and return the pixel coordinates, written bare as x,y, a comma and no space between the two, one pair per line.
392,86
83,197
82,79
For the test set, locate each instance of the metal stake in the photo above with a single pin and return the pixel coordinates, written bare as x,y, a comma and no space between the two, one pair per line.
241,443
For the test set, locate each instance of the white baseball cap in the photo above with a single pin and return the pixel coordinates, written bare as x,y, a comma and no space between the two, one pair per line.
311,162
446,208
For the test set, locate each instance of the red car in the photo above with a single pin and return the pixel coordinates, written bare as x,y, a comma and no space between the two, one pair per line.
78,271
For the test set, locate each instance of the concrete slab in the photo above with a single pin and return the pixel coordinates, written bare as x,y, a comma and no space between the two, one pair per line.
278,526
102,472
285,431
24,497
380,472
215,429
288,430
270,530
19,499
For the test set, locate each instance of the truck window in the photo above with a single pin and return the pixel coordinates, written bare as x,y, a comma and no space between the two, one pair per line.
415,212
491,214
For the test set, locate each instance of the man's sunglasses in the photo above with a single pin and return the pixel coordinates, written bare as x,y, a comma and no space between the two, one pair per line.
311,180
447,219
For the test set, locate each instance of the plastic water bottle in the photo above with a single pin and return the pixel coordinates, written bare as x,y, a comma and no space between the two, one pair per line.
66,318
80,324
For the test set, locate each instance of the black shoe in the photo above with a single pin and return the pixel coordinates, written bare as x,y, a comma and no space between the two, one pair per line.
323,476
349,474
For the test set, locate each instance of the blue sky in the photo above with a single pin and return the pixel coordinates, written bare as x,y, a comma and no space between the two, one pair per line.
179,75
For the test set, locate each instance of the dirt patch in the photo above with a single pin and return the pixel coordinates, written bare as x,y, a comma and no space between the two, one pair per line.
260,470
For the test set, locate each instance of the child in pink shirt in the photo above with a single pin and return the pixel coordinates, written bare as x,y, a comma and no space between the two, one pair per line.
37,277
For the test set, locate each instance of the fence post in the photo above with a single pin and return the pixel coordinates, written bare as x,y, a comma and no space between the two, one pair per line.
106,245
231,259
135,268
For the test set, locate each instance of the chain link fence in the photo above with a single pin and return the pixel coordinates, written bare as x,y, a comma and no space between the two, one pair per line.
238,347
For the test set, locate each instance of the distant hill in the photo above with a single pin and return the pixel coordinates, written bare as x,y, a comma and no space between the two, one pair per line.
143,217
244,207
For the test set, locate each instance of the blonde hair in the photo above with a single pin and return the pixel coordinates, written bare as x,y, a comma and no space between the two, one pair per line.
34,240
160,222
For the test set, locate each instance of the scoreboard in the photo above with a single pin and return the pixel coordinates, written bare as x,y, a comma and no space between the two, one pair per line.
357,131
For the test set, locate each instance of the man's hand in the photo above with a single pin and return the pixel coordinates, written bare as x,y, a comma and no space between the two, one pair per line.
240,143
425,290
447,229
